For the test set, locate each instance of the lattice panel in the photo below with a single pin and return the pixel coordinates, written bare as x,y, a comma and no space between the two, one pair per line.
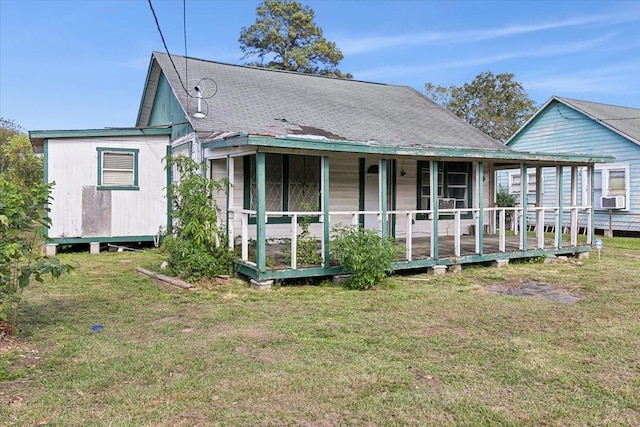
304,183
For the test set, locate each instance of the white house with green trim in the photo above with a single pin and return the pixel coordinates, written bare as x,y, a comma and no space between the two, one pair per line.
110,184
341,152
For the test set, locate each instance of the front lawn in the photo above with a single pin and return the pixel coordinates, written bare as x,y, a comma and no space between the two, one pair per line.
431,350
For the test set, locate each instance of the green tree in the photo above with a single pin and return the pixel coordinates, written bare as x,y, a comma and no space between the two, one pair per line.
23,166
286,36
8,129
496,104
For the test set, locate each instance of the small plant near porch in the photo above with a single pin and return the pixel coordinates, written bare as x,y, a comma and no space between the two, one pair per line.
504,199
365,254
196,247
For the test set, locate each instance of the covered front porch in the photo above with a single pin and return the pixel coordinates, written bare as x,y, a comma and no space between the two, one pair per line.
439,204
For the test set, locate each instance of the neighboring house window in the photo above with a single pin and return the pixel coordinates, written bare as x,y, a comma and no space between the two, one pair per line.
454,181
292,183
515,182
117,169
609,181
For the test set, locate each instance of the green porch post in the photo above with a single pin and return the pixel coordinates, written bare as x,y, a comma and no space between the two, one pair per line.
168,153
325,210
261,245
383,197
480,230
434,207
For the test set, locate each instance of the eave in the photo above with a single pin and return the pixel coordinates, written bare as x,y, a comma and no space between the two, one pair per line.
324,145
38,137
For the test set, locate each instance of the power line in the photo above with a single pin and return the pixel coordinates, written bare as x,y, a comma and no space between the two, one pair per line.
167,49
184,30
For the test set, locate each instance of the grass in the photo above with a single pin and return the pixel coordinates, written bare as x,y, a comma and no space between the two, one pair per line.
440,350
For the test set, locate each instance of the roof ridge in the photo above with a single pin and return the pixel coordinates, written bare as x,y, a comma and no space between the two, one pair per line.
253,67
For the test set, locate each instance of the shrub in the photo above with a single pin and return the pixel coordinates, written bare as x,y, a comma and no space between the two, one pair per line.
195,246
23,218
365,254
506,200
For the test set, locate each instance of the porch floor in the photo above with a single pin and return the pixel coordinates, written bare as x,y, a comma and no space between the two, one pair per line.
278,252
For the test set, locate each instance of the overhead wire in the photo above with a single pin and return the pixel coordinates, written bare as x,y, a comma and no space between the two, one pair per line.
184,31
155,17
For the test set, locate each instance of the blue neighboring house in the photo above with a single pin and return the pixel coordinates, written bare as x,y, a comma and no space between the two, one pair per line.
564,125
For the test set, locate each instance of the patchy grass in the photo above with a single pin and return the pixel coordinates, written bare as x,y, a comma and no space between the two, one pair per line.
437,351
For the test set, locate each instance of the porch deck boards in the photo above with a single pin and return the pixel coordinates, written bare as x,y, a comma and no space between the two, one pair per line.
278,252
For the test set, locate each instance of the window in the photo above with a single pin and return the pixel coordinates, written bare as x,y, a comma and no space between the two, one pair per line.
292,182
454,181
117,169
609,181
515,182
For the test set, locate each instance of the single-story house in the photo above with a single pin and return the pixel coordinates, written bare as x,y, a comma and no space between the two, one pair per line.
297,147
570,125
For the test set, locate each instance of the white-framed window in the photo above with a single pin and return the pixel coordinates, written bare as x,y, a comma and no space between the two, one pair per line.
610,180
515,182
117,168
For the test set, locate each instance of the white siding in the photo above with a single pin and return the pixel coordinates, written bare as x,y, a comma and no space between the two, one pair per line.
73,164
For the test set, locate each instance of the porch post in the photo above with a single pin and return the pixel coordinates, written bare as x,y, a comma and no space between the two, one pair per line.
480,203
261,245
383,197
539,212
230,196
434,207
573,227
559,196
590,184
524,186
325,211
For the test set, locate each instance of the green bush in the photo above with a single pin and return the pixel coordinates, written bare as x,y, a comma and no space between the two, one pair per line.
365,254
195,246
23,218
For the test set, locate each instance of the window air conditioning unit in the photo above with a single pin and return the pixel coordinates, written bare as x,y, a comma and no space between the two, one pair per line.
446,203
613,202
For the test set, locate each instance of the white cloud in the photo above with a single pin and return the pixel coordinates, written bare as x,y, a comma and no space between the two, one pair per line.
539,52
355,46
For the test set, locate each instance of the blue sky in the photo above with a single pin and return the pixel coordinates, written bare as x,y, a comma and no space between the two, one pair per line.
82,64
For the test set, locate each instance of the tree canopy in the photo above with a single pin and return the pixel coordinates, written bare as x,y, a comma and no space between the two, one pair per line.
496,104
287,38
18,162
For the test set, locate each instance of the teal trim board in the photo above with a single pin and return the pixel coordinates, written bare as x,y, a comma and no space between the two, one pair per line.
169,191
391,149
114,239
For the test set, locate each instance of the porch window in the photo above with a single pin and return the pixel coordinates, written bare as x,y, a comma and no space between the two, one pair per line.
610,181
117,169
454,181
292,183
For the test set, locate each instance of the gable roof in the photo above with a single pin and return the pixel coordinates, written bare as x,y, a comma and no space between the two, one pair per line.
258,101
624,121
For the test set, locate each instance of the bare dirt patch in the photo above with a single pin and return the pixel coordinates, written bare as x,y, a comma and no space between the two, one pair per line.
535,290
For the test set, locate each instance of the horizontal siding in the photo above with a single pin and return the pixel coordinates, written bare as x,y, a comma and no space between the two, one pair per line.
560,129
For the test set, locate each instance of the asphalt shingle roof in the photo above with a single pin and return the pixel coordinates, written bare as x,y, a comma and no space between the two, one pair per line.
258,101
625,120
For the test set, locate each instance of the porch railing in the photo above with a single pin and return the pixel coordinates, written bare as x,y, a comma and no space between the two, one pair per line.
494,217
